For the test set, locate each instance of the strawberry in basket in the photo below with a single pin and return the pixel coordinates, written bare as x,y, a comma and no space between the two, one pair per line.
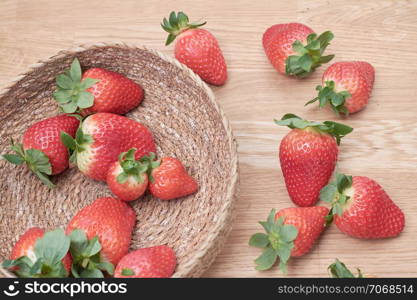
42,149
97,90
102,137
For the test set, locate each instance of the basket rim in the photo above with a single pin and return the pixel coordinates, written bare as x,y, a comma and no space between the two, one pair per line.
196,266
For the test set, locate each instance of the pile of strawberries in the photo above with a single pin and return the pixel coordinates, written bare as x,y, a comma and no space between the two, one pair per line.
106,146
308,156
109,147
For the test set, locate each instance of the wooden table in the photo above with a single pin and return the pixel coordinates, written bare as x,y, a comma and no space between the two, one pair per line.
383,145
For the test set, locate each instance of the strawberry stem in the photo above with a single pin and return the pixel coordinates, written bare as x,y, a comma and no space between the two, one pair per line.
176,24
276,243
309,56
328,95
36,160
71,92
337,130
335,194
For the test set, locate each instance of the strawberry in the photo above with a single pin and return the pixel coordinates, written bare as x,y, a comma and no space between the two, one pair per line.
291,232
346,87
308,156
339,270
294,49
170,180
42,149
153,262
196,48
102,137
362,209
127,177
109,220
97,90
39,254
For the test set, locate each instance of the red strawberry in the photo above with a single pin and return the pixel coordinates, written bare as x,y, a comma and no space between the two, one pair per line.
346,87
97,90
362,209
102,137
112,221
294,49
127,177
308,156
289,233
49,251
42,149
196,48
170,180
153,262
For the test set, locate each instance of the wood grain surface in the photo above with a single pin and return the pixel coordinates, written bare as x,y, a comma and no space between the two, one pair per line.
383,145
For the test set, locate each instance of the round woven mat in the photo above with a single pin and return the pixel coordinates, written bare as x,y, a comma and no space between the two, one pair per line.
187,123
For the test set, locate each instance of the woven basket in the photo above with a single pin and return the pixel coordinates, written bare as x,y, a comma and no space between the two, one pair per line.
187,123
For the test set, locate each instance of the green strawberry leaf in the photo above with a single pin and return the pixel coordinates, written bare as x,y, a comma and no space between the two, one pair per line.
93,273
288,233
75,70
339,270
85,100
87,260
52,247
13,158
266,260
259,240
127,272
68,141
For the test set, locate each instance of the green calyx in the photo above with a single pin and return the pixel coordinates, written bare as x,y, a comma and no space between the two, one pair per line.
49,252
337,130
309,56
152,164
87,262
328,95
335,194
176,24
76,145
71,93
36,160
132,167
277,242
339,270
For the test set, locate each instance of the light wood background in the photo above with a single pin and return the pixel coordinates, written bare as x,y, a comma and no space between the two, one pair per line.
383,145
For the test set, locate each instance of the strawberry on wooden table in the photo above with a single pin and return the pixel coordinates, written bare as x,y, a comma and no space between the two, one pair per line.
102,137
294,48
41,255
346,86
291,232
362,209
308,156
111,221
127,178
42,149
196,48
169,179
152,262
97,90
